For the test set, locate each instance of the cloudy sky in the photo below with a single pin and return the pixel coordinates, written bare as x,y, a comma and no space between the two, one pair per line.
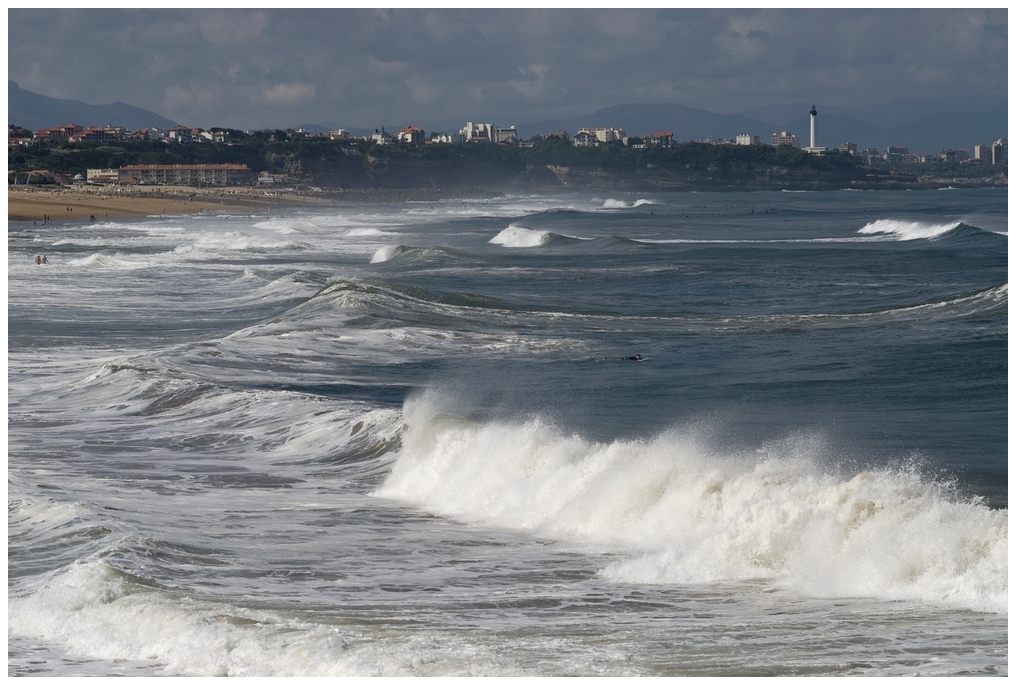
438,68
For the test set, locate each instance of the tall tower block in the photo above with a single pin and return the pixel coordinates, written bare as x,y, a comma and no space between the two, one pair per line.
813,148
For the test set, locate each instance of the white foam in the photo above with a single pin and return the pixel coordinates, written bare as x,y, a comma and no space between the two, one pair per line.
384,253
235,241
610,203
520,236
31,520
685,513
113,262
367,232
621,204
96,610
286,287
906,230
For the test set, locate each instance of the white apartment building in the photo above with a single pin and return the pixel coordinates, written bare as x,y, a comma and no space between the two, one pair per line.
453,138
784,138
412,135
181,134
478,132
505,134
173,174
999,151
605,135
103,175
382,137
748,139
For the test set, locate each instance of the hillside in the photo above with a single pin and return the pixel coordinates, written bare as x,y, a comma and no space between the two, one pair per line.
549,165
33,111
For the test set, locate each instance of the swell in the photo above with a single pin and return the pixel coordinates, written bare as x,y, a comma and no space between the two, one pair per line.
388,305
991,301
279,428
362,294
410,254
516,236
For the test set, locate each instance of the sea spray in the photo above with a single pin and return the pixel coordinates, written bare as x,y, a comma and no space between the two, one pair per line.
684,512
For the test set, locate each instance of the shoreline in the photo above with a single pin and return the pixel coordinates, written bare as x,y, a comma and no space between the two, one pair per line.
80,204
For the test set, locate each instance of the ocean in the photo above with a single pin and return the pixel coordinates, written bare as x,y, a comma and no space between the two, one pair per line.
584,434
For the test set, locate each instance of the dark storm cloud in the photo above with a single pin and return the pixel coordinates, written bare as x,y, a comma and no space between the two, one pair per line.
438,68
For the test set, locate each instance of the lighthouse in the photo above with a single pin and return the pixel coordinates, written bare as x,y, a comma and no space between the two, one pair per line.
814,148
814,115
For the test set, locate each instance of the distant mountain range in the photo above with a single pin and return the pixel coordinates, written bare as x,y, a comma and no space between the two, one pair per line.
922,124
33,111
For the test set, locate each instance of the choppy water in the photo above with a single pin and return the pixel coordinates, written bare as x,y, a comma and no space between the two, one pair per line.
409,440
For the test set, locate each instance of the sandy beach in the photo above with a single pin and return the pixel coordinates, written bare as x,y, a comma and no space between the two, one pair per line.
80,204
103,202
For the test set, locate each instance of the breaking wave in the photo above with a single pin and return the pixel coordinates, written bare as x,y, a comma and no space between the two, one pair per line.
520,236
679,511
621,204
98,610
908,230
387,252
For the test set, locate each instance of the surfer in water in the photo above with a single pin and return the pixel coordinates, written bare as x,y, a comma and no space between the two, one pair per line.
636,358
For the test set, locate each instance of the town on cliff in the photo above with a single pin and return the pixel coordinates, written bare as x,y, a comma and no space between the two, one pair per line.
481,155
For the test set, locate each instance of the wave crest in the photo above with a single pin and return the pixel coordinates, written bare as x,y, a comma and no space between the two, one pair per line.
610,203
682,512
907,230
520,236
387,252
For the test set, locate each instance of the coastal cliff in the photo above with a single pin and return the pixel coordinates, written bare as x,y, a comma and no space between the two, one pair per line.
547,165
556,164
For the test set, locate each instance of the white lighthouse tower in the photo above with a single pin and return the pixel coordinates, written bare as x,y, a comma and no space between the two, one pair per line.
814,148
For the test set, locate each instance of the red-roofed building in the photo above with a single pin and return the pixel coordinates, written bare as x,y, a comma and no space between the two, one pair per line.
411,134
181,134
57,132
175,174
109,134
